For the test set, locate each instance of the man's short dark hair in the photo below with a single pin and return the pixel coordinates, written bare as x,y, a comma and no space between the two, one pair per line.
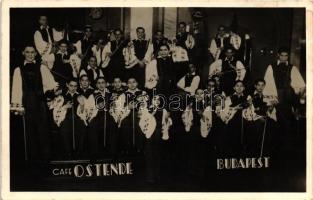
88,27
157,31
229,47
63,41
283,50
30,44
100,78
71,80
259,80
239,81
221,27
211,80
82,76
140,27
183,23
164,45
118,29
92,57
131,78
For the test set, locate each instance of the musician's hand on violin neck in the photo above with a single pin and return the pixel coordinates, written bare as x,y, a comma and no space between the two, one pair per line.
109,54
44,62
141,63
65,61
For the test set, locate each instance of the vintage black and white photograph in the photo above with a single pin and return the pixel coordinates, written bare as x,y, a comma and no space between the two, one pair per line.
157,99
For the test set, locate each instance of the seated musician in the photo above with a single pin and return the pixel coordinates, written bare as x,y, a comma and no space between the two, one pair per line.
93,72
97,51
230,69
184,38
62,69
218,43
137,54
113,60
190,82
84,46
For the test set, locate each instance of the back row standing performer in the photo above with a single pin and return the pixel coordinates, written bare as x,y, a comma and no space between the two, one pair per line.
112,57
44,41
137,54
84,45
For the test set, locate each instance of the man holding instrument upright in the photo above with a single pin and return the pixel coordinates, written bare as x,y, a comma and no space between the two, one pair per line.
84,46
113,59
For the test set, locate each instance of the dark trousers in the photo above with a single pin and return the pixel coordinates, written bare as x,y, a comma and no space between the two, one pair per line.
73,142
153,160
36,128
131,136
138,73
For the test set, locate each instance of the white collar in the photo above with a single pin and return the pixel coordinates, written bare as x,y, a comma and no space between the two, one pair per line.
86,89
226,59
59,52
88,67
193,73
42,27
132,91
255,92
25,62
239,95
68,92
278,62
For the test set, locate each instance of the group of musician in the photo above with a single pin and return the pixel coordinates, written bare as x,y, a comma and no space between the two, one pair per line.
115,97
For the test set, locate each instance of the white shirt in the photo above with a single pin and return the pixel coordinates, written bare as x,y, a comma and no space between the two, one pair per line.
48,83
193,86
75,62
95,75
214,49
97,53
297,82
42,46
59,35
216,67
